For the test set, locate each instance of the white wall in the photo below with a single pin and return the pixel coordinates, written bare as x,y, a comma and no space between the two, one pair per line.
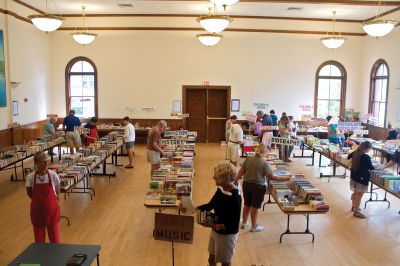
386,48
27,61
146,68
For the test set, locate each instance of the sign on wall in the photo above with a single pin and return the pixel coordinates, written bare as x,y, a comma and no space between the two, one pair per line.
173,228
261,106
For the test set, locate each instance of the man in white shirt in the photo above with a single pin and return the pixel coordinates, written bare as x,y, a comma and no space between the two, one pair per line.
235,139
129,139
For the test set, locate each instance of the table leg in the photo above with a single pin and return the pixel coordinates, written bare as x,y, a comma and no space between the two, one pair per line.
98,260
306,232
376,200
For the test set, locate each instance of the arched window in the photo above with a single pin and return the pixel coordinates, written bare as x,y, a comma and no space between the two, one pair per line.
378,91
330,90
81,87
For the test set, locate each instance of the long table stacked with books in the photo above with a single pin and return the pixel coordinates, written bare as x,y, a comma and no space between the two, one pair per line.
295,197
174,179
76,169
17,154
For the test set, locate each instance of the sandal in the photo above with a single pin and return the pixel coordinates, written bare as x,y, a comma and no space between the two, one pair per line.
359,215
353,209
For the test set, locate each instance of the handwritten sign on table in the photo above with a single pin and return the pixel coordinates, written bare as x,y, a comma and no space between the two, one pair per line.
286,141
349,126
172,141
173,228
177,133
269,128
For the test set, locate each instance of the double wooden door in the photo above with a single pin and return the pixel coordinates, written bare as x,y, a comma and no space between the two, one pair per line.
208,108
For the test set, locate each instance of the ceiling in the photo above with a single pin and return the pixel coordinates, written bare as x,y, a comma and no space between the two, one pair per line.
247,8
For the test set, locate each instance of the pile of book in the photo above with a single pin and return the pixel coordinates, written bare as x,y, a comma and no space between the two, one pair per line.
386,179
174,178
74,168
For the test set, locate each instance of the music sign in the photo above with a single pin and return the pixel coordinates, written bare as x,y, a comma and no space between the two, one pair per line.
286,141
173,228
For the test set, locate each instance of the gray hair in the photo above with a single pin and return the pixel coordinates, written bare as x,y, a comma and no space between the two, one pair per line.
225,172
53,120
40,156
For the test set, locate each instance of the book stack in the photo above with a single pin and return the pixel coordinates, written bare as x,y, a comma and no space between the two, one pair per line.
386,179
204,218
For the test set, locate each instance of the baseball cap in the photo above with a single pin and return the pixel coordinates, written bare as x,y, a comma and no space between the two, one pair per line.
163,123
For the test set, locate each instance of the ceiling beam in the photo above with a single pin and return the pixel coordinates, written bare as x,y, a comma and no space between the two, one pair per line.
194,16
22,3
201,29
342,2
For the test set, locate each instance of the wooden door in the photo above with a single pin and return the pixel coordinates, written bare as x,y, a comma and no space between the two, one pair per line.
217,114
208,108
196,101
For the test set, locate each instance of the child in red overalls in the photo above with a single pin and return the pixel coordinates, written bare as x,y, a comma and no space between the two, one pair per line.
43,187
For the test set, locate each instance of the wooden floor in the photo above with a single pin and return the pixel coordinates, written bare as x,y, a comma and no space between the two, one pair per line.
117,220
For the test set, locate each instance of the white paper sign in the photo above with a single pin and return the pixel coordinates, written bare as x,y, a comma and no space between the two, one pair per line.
393,142
173,141
361,132
286,141
177,133
269,128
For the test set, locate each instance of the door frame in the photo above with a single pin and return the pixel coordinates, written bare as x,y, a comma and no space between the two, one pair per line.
185,88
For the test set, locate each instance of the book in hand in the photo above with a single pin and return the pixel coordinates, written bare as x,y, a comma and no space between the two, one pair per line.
204,218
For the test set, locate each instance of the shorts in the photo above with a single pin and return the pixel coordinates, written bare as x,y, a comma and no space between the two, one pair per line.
253,194
73,139
129,145
358,187
153,157
233,152
222,246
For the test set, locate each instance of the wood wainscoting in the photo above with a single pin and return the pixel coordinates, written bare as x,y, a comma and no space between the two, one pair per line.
20,134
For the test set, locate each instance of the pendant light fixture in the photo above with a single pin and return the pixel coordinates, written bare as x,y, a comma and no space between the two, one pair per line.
334,40
209,39
224,3
378,27
46,22
214,23
82,36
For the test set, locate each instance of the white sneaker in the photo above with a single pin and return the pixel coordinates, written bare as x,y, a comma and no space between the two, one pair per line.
258,228
244,225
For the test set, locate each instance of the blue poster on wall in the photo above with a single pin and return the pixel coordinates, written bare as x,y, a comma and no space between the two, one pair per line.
3,96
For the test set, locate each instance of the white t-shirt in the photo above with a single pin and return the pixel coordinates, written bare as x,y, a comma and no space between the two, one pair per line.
228,125
53,175
129,133
235,133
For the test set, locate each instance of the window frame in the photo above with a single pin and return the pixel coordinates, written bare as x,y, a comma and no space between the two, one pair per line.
68,74
373,79
343,78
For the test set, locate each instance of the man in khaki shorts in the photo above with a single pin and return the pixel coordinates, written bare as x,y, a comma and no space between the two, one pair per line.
154,150
71,135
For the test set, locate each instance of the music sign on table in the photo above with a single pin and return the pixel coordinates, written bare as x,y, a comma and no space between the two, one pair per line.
173,228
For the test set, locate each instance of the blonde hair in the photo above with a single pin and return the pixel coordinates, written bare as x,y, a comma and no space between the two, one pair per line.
225,172
260,149
40,157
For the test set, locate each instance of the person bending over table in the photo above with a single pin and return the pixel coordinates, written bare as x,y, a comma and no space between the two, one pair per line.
154,150
92,136
395,159
129,139
255,172
43,188
360,175
50,130
226,204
